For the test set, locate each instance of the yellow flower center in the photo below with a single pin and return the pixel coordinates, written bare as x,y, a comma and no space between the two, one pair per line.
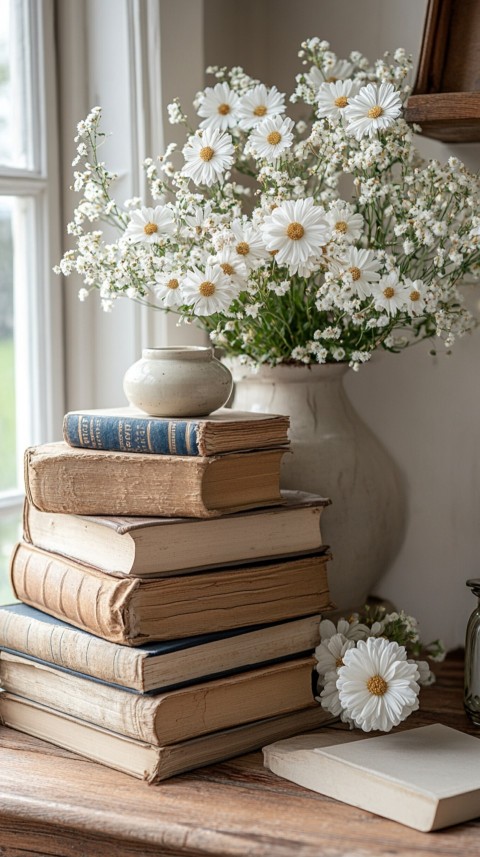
341,101
223,109
206,153
355,272
227,269
377,685
173,284
331,79
243,249
389,292
339,662
341,226
206,289
274,138
375,112
295,231
150,228
414,296
273,252
260,110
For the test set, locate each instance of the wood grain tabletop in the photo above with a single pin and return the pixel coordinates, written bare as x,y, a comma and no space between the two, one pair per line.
52,802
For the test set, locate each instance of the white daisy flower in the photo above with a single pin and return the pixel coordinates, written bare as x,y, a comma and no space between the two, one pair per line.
219,105
341,70
425,675
199,218
296,231
271,138
377,686
345,225
415,296
208,154
329,696
353,630
329,653
389,293
150,225
258,104
373,109
232,266
333,98
168,288
249,243
363,266
208,291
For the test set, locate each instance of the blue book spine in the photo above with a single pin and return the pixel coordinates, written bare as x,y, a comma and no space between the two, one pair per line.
131,434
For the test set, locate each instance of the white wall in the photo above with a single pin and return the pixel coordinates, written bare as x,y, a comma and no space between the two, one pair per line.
425,410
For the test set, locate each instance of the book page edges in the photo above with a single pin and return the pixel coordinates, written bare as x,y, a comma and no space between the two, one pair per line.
155,763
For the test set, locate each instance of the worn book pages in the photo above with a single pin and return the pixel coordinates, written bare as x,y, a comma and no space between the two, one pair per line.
426,778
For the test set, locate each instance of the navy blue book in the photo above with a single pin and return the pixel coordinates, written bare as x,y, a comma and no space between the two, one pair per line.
153,667
130,430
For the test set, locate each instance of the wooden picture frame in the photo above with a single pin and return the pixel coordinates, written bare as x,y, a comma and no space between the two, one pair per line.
446,97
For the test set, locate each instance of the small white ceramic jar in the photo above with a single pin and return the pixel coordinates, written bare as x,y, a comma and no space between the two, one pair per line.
183,381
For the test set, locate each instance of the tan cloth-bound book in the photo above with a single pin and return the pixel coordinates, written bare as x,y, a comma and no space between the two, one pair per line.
134,611
170,717
60,478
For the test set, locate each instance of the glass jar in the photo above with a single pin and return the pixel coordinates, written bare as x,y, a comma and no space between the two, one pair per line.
472,659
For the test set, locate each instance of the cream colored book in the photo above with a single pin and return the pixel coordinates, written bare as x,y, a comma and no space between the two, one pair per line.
145,547
426,778
61,478
144,760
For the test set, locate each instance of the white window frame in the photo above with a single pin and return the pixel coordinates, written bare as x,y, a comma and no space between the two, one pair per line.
38,317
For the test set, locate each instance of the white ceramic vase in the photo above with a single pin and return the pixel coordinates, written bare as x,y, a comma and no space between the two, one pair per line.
336,455
178,382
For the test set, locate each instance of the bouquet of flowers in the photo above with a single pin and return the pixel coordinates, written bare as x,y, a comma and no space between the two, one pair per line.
291,242
370,670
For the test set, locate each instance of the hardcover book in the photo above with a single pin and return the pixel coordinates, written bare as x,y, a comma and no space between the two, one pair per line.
169,546
59,478
165,718
153,666
135,611
426,778
146,761
130,430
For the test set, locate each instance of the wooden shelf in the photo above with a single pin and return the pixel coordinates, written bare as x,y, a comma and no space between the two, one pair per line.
54,803
446,97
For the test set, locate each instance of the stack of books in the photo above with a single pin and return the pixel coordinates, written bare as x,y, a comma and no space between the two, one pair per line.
170,592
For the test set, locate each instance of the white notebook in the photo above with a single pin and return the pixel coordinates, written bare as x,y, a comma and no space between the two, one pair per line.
426,778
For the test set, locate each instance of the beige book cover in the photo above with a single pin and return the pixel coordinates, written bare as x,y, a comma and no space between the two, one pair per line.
426,778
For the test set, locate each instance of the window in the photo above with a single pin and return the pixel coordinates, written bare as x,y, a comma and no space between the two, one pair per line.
30,335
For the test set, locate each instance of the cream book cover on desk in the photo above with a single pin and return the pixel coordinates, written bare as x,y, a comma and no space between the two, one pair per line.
426,778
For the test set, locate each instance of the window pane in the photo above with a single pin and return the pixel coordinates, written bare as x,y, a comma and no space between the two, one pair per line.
8,463
9,534
16,114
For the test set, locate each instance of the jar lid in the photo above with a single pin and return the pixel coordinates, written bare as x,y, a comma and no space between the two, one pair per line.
474,584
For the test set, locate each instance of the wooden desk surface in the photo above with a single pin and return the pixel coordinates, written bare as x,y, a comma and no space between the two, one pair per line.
54,803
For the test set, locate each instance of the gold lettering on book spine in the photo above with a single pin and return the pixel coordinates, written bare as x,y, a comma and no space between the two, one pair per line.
172,444
149,438
188,440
